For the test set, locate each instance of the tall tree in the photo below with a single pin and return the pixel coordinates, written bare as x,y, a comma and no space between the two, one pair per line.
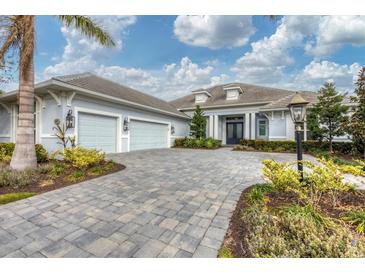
198,124
19,36
356,124
330,113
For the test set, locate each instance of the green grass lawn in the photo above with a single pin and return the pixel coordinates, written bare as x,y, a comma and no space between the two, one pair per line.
12,197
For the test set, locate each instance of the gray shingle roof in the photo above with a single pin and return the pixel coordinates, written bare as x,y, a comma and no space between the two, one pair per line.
283,102
104,86
252,94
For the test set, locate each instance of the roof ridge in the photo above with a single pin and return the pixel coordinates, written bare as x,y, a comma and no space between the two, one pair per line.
71,77
281,99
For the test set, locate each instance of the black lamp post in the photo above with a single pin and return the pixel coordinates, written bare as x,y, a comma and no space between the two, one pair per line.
297,108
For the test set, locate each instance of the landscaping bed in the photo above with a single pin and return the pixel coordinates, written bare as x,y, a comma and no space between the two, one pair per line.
321,217
77,165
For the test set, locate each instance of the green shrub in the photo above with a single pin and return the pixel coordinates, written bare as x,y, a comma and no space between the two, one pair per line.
83,158
297,233
57,169
7,149
212,143
179,142
257,194
15,179
199,143
209,143
76,176
41,153
318,179
356,218
290,146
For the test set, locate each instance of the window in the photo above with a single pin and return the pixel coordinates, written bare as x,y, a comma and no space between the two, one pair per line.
262,127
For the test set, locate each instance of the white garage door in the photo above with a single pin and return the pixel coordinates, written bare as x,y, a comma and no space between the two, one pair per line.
97,131
147,135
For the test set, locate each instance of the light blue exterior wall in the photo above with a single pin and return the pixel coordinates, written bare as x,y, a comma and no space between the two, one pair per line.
5,125
51,110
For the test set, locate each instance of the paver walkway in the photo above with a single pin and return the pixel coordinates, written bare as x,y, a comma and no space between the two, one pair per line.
166,203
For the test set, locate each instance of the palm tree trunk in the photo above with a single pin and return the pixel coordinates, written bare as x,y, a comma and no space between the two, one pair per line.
24,156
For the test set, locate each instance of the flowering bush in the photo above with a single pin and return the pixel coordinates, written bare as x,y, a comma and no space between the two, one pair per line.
318,179
83,158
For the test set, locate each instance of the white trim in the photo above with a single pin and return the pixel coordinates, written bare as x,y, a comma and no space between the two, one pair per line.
277,137
70,98
211,126
6,107
246,125
40,101
55,96
38,121
215,128
227,106
103,113
202,92
5,136
98,94
47,136
233,88
282,115
150,121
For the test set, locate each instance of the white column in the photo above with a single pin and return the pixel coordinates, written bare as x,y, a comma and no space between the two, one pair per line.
247,126
215,127
253,126
211,122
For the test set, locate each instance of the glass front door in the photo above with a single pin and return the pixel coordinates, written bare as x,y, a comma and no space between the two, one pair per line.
234,132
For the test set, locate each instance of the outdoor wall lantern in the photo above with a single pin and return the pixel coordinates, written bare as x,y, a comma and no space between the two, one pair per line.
298,107
172,129
70,120
126,124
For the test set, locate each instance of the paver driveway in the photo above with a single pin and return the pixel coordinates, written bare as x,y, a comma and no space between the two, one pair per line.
167,203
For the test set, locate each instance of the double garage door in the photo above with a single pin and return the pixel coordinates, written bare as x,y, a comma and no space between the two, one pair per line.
101,132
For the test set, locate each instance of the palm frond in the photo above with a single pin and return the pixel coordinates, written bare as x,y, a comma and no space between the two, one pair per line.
87,27
12,35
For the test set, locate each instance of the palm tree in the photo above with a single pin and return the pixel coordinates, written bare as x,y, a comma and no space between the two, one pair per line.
19,36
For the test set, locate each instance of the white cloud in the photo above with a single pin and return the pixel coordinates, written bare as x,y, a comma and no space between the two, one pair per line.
180,79
335,31
313,76
270,55
83,54
214,31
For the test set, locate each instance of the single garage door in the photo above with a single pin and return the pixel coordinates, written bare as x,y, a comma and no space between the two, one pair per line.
97,131
147,135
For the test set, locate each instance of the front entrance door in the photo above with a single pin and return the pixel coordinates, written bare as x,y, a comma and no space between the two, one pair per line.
234,132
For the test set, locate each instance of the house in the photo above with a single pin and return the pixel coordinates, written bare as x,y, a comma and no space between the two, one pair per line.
116,118
107,116
235,111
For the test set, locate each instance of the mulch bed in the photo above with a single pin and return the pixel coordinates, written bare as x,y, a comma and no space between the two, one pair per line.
59,181
237,229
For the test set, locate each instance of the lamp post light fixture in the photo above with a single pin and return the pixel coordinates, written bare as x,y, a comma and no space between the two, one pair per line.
70,120
298,108
126,124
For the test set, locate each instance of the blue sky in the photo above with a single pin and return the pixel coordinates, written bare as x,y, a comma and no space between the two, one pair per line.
168,56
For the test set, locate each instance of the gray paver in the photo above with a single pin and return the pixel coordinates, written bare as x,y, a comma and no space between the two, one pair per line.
168,202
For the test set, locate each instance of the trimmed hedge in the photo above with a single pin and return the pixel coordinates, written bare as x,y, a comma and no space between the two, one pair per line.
208,143
290,146
7,149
